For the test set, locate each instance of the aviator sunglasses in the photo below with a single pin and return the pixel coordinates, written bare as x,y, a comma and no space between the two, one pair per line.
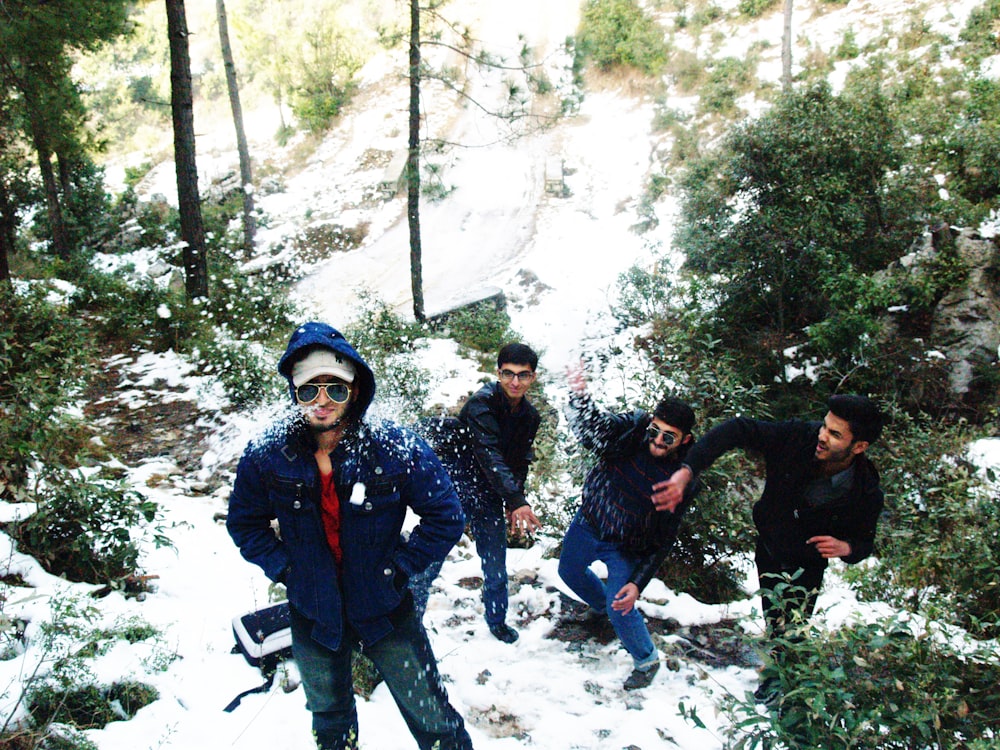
336,392
653,432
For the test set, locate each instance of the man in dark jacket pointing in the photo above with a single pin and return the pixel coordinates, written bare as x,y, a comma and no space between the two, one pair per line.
340,489
821,498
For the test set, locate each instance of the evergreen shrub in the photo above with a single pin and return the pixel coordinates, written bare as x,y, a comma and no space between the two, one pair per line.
389,344
878,686
937,542
618,33
817,175
87,530
43,360
755,8
728,77
482,327
979,35
89,706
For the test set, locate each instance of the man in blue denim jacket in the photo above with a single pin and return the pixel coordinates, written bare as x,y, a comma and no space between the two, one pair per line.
339,489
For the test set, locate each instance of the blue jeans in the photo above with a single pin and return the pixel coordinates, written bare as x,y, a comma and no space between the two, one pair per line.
581,547
406,663
489,528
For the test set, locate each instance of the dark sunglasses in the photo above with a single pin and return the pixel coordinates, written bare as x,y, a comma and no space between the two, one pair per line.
653,432
336,392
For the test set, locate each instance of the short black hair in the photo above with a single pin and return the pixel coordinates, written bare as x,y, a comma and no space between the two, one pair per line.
517,354
861,413
675,413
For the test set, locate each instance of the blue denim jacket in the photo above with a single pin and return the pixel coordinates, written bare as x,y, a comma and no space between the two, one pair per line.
380,471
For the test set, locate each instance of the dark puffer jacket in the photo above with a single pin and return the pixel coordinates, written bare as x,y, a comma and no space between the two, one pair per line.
380,471
782,516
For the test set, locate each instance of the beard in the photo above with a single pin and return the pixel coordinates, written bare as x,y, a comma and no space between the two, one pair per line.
319,429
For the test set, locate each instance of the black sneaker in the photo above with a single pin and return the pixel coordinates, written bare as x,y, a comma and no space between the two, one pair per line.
504,632
641,678
768,692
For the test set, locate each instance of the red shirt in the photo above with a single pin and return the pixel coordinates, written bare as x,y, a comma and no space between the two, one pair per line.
330,506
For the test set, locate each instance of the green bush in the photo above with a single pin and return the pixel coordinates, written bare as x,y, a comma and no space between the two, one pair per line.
87,530
979,34
127,309
617,33
389,345
816,175
877,686
969,152
90,706
716,529
44,355
245,369
848,48
754,8
728,77
482,327
937,542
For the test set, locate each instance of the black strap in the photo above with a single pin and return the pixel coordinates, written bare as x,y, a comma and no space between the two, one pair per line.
259,689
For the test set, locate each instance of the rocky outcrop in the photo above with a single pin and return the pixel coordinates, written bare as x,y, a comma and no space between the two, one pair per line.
965,323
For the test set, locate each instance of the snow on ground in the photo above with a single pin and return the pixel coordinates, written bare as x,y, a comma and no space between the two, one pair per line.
557,259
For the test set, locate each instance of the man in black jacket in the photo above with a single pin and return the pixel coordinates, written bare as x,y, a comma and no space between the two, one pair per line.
617,522
501,424
821,498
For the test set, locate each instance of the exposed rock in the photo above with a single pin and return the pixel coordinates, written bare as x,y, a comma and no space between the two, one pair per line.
966,323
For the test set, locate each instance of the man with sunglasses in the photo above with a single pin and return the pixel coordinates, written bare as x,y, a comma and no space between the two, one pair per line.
502,424
340,489
617,522
821,501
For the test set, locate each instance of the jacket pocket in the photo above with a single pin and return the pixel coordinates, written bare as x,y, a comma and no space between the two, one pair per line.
377,513
295,511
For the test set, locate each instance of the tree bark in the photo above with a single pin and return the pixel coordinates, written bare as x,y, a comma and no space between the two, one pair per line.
8,231
246,171
786,50
182,110
413,167
60,238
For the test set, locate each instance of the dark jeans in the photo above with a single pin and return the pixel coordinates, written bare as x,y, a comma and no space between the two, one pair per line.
406,663
489,528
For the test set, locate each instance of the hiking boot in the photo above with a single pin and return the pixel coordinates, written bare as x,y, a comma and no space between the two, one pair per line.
641,678
588,616
504,632
768,692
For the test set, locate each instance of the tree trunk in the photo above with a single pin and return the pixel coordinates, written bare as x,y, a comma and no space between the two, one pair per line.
182,110
786,50
246,173
60,239
413,167
8,229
